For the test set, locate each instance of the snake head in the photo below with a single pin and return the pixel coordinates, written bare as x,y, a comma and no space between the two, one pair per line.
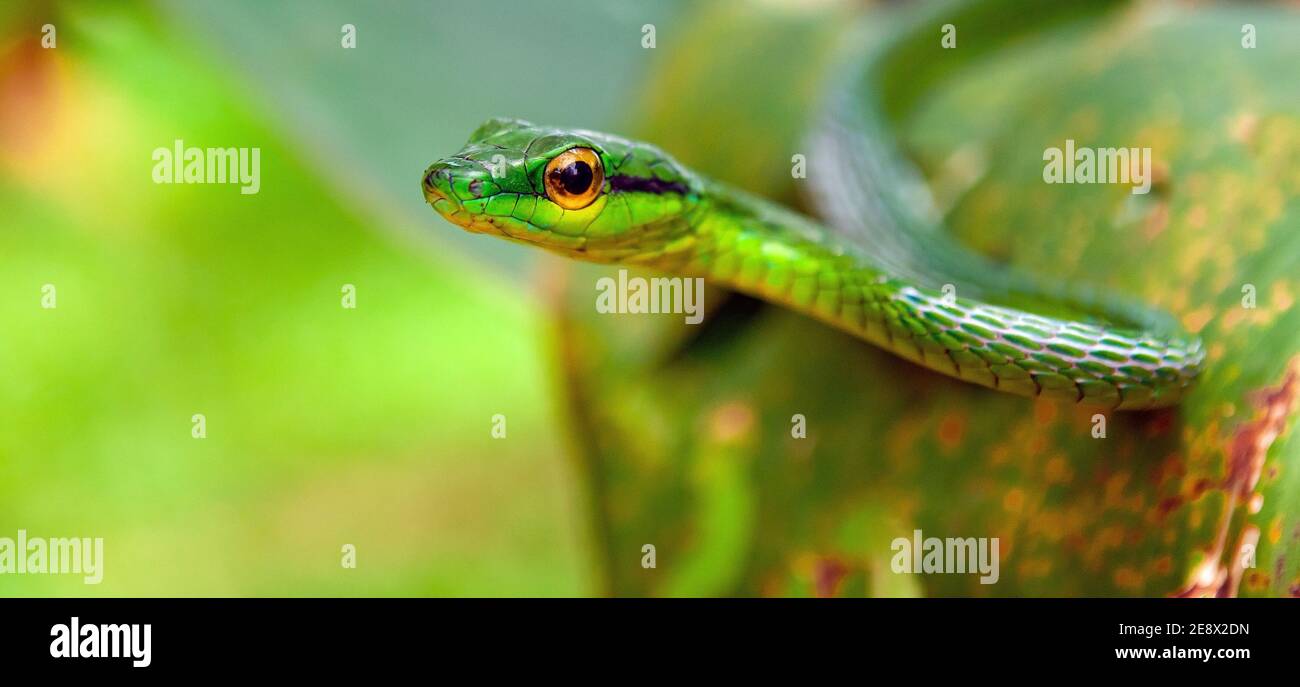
581,193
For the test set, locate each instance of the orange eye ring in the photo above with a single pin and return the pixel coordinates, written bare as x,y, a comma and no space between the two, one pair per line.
574,178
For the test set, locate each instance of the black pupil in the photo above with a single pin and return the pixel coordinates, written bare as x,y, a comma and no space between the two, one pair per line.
575,178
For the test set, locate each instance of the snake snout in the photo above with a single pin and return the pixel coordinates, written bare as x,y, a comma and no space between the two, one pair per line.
437,182
458,180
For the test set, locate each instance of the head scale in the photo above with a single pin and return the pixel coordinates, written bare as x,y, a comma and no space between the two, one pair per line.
581,193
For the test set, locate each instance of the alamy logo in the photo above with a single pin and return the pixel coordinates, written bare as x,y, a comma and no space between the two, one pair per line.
190,165
75,640
655,295
952,555
63,556
1073,165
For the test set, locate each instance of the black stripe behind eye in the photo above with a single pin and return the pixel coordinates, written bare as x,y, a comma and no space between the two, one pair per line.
645,185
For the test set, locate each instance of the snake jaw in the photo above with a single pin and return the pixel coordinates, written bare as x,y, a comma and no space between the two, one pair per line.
439,183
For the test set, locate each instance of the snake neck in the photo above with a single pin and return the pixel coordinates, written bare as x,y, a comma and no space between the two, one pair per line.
755,247
746,243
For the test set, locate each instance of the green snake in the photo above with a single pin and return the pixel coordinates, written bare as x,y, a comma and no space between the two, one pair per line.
878,265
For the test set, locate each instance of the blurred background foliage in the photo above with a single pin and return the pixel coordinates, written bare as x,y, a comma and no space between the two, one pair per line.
325,426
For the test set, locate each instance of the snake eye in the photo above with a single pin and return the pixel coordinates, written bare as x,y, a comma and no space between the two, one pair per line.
574,178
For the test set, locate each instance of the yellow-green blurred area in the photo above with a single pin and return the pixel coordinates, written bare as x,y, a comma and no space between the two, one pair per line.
325,426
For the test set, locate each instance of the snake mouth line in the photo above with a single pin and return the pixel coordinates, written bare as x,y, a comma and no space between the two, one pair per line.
487,225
